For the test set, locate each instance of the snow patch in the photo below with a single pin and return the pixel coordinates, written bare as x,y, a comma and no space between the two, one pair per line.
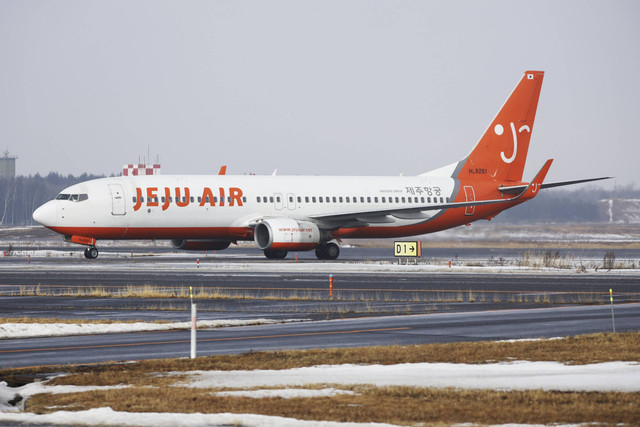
30,330
610,376
107,416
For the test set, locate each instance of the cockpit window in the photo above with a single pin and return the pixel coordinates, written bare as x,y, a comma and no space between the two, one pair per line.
73,197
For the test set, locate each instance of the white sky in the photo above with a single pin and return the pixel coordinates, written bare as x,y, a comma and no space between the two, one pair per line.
314,87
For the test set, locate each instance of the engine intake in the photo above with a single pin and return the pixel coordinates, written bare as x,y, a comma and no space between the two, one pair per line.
286,234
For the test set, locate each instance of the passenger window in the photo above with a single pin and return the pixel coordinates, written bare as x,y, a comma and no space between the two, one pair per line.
320,199
347,199
133,199
290,199
271,199
428,199
191,199
403,199
340,199
421,199
397,200
299,199
313,199
278,199
334,199
375,199
258,199
306,199
368,199
361,199
384,200
162,198
244,199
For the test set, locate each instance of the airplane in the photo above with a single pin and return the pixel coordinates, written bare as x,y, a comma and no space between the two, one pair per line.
300,213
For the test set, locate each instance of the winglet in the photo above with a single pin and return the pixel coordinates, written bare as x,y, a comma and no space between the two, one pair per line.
532,189
223,170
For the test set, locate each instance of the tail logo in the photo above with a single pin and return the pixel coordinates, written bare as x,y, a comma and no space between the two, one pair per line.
499,130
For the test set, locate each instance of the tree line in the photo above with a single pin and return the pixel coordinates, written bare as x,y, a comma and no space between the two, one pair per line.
21,195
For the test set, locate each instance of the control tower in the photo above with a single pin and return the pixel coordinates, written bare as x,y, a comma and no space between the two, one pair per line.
7,166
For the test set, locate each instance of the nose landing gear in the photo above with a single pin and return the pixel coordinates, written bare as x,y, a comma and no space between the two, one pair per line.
91,252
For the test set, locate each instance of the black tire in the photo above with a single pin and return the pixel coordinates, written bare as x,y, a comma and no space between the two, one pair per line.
320,251
91,252
275,253
327,251
332,251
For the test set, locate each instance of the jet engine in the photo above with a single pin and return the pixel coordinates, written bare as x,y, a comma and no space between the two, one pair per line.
200,245
286,234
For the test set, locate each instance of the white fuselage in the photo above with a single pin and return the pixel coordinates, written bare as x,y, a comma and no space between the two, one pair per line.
222,206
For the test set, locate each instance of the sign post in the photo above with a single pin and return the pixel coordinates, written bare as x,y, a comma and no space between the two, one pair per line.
194,323
407,249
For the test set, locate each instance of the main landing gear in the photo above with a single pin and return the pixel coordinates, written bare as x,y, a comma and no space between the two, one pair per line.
327,251
91,252
275,253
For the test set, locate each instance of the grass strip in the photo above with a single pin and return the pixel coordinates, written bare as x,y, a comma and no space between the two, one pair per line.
398,405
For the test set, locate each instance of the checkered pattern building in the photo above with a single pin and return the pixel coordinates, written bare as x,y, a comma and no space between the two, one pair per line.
141,169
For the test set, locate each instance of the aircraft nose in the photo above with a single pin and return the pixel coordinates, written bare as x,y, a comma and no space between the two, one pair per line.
46,215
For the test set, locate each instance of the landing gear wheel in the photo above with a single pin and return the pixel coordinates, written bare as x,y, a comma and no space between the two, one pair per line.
91,252
275,253
327,251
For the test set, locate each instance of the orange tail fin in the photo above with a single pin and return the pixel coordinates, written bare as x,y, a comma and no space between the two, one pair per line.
501,153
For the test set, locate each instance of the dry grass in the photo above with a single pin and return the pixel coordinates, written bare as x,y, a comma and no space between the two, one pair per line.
150,390
398,405
45,320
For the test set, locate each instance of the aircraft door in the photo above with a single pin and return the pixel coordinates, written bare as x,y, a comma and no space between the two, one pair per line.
291,201
471,197
277,201
117,199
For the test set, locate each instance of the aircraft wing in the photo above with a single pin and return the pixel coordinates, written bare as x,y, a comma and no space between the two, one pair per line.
417,212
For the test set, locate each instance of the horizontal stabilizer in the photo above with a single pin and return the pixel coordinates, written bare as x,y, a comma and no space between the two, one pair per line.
517,189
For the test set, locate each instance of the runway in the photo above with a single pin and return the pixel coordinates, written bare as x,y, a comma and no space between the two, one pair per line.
356,332
373,303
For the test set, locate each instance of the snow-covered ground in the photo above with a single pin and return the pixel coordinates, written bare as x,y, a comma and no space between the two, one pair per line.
612,376
29,330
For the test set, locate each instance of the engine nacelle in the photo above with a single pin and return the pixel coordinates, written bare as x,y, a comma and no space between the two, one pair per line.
200,245
286,234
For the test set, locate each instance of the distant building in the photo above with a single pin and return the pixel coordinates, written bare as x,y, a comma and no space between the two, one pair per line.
140,169
7,166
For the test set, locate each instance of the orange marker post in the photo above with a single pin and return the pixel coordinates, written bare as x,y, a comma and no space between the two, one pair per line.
331,286
198,263
449,263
